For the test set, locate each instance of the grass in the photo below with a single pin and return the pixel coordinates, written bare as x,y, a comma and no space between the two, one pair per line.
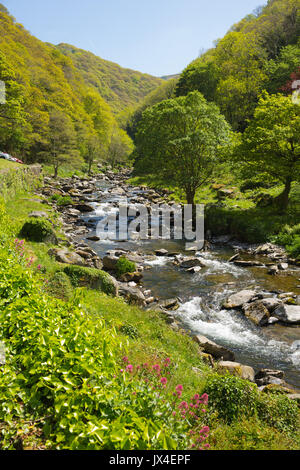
7,165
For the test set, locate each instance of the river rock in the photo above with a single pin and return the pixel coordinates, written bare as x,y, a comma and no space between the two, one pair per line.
191,263
110,262
257,313
237,369
214,349
67,257
247,264
271,303
131,277
269,376
161,252
169,304
84,207
239,299
132,294
289,314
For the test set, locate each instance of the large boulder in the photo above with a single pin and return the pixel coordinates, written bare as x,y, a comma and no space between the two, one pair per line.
214,349
110,262
239,299
65,256
289,314
257,313
131,294
237,369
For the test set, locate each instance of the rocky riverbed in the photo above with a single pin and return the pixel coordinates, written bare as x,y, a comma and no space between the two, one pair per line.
240,302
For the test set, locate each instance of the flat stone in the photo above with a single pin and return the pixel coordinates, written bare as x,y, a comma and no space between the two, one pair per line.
289,314
161,252
214,349
239,299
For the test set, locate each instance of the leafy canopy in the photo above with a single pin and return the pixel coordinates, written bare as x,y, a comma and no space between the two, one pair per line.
180,139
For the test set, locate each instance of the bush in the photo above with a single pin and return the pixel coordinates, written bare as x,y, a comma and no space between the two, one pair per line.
278,411
231,397
289,237
92,278
124,266
38,230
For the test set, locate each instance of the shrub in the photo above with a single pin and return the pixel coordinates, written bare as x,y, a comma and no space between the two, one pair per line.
231,396
93,278
289,237
278,411
38,230
124,266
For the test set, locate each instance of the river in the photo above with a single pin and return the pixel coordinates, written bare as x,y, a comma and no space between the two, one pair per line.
202,294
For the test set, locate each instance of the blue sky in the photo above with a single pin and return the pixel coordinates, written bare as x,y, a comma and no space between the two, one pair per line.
160,37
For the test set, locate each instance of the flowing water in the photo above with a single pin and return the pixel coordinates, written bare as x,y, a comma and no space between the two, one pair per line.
201,295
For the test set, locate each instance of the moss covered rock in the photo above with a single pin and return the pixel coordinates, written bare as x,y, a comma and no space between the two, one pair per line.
92,278
38,230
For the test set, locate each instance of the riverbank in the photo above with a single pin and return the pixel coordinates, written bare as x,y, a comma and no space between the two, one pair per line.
148,332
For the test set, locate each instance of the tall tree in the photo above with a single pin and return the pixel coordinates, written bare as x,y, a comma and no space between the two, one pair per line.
179,140
271,145
61,147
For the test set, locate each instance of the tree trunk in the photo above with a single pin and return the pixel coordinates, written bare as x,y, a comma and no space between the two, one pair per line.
282,200
55,171
190,196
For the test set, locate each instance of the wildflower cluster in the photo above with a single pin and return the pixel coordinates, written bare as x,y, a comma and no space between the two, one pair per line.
185,414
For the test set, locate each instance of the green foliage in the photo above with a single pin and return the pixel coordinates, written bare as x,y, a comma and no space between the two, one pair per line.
54,112
180,139
270,144
232,397
62,373
62,200
279,411
82,276
121,88
165,91
129,330
38,230
59,286
260,52
124,266
289,237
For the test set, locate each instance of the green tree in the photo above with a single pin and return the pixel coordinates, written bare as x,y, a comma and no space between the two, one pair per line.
119,148
62,146
92,151
201,75
270,145
13,125
179,139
